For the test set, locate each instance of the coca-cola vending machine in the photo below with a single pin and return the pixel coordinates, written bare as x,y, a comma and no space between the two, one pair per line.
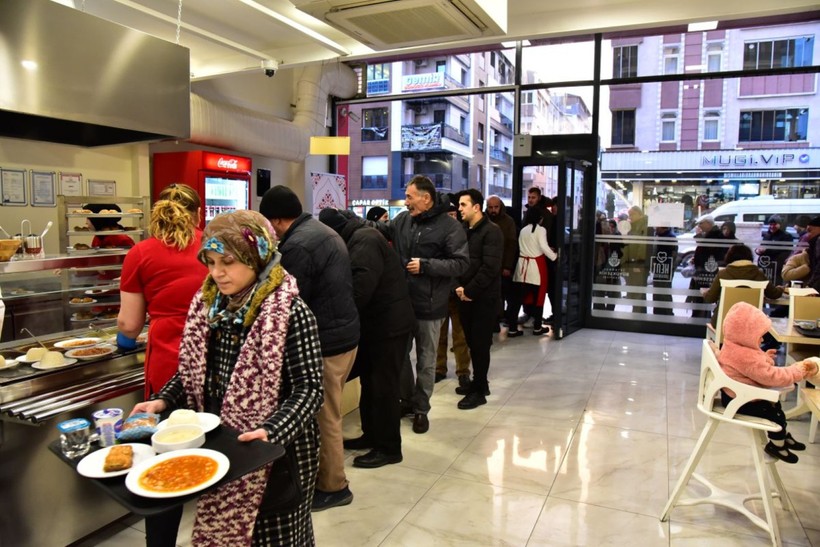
223,181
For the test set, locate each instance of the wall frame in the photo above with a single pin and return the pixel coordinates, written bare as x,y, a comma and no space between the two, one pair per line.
43,188
13,187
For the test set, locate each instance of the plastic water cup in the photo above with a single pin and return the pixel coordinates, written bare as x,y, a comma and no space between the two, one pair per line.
75,437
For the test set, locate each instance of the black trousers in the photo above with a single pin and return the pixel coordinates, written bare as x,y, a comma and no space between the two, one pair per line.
762,409
380,361
478,318
161,529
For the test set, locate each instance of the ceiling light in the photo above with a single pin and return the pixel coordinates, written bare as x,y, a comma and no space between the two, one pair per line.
29,65
703,25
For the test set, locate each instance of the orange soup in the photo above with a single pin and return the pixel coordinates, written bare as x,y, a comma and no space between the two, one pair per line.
178,474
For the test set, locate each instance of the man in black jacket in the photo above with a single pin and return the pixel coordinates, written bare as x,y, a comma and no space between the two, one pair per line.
387,320
433,249
479,291
317,257
497,214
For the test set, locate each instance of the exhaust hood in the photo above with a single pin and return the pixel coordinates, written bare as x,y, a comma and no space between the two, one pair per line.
72,78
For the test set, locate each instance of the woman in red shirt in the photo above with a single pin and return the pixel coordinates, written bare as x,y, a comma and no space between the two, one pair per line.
161,275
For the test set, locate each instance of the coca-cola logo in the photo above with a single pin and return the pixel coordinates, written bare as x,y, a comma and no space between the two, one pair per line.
225,163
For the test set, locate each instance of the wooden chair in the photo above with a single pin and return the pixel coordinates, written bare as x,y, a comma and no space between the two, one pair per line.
803,307
712,379
733,291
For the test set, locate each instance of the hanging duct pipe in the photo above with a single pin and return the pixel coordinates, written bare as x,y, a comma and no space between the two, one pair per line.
236,128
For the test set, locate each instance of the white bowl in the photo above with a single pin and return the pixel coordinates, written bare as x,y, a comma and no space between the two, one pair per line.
178,437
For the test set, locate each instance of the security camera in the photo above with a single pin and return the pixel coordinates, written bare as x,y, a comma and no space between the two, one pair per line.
269,67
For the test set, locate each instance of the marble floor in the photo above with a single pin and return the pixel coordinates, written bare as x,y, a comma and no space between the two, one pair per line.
579,444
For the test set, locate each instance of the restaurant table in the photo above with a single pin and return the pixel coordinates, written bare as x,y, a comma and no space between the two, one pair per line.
244,457
812,400
798,347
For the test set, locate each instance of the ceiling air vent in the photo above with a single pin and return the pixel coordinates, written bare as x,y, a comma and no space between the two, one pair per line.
402,23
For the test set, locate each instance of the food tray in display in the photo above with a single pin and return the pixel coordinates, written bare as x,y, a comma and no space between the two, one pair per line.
111,249
102,292
48,345
82,319
207,421
92,465
77,343
65,363
133,476
88,354
80,252
90,302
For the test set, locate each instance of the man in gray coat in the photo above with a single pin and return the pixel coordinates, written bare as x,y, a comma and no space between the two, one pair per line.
433,250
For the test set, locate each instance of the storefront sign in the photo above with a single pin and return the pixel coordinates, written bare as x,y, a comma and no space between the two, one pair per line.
369,202
423,82
761,160
754,159
224,162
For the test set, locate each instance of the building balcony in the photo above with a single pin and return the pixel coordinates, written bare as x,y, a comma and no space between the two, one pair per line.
506,121
501,155
443,181
429,137
378,87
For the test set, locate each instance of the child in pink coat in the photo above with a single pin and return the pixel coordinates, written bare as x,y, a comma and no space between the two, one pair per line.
742,359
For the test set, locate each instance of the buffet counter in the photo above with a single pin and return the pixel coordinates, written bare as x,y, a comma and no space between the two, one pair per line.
44,503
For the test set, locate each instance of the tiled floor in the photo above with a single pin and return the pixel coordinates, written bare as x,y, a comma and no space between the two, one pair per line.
579,444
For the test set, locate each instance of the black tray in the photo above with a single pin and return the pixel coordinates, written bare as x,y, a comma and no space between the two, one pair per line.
811,333
244,458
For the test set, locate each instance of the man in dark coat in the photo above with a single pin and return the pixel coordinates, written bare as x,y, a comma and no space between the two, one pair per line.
317,257
709,254
433,249
387,320
497,214
662,267
813,229
479,291
775,249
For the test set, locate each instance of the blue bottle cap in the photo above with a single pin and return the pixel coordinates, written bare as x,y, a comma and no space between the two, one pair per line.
73,425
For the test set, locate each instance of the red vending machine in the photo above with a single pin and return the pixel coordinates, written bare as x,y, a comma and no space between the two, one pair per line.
223,181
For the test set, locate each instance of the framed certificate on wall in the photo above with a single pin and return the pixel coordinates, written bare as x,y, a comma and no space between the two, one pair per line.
102,187
43,189
13,187
71,184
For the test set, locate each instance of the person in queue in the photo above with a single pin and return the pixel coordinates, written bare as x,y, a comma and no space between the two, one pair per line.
635,261
317,257
775,248
706,260
739,265
433,249
742,360
377,214
531,270
386,316
100,225
497,214
813,279
250,353
479,292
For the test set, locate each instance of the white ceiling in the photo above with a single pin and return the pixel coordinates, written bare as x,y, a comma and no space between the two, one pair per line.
230,36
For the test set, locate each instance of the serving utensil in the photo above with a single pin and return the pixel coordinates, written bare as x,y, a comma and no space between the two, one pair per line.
8,235
26,331
48,227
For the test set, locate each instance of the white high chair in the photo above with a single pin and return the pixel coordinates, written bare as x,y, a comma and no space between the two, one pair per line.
712,379
733,291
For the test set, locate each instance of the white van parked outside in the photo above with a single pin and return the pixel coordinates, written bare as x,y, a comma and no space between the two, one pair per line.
752,210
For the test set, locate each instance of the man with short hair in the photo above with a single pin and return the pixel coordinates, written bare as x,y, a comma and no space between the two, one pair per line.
497,214
479,292
433,249
317,257
775,249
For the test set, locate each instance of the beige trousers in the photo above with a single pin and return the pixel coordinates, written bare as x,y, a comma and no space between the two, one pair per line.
331,452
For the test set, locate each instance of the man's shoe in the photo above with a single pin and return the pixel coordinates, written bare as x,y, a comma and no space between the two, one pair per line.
523,318
359,443
440,376
464,380
792,444
326,500
376,458
465,389
472,400
780,452
540,331
515,333
420,423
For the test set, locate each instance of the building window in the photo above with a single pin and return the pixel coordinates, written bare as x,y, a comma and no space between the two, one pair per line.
374,172
374,124
623,127
526,97
625,62
378,78
480,97
441,66
714,57
711,126
774,125
790,52
668,123
670,59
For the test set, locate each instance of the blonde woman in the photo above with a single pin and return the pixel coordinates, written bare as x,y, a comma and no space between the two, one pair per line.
161,275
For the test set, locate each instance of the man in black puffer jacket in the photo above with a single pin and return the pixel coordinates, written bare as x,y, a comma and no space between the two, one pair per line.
386,315
317,257
479,291
433,250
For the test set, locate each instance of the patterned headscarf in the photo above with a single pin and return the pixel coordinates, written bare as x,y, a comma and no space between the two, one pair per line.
245,235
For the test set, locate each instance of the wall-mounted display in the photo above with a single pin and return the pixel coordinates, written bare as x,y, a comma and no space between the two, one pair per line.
43,189
13,187
102,187
71,184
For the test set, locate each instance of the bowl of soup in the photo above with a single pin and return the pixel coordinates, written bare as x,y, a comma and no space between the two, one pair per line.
178,437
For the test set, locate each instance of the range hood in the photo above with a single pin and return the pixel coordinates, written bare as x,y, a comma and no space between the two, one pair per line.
72,78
